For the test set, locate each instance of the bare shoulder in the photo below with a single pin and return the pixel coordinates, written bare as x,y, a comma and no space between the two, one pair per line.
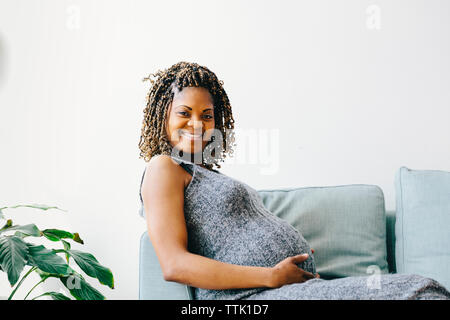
161,161
164,169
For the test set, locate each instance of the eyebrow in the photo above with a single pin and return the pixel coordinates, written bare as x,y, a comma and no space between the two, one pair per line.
183,105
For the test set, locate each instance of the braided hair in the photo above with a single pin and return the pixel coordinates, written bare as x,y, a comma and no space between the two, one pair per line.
154,140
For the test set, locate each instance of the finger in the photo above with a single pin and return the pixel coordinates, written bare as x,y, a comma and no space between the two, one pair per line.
300,258
308,275
317,275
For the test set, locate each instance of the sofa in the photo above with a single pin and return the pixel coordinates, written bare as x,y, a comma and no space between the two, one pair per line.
350,230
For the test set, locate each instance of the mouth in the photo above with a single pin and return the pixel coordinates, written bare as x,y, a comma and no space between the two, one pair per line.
191,136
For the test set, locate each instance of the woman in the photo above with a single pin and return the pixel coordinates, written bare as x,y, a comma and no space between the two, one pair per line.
212,232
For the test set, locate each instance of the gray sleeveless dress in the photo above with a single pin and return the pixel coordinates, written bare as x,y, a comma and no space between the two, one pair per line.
226,220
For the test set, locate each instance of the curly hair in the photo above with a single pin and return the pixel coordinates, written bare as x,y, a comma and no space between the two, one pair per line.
154,140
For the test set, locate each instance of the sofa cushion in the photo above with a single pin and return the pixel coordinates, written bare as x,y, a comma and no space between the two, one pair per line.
422,228
345,225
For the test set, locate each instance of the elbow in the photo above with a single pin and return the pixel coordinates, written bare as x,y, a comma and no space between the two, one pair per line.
172,273
169,273
173,269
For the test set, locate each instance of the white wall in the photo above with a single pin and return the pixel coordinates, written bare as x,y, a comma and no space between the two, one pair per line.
356,89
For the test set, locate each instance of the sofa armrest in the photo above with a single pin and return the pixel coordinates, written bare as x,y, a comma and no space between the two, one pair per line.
152,285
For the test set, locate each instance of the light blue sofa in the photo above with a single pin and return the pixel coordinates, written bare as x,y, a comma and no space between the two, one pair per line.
152,285
365,238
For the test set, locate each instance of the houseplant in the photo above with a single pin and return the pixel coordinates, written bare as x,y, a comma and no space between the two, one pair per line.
17,253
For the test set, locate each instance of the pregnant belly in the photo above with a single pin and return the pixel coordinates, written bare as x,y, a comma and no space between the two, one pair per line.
264,243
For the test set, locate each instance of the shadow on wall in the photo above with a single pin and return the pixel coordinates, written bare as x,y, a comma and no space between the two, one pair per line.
3,62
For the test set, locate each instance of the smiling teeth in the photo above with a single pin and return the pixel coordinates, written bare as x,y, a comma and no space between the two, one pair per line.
188,135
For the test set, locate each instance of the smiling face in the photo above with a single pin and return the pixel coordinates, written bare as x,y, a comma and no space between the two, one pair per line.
190,115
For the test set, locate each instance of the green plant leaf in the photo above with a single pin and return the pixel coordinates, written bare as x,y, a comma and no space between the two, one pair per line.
20,234
76,238
28,229
13,257
56,234
36,206
54,295
7,225
89,264
47,260
80,289
45,275
66,247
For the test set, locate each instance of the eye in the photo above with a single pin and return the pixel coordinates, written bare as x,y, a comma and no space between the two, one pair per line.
186,114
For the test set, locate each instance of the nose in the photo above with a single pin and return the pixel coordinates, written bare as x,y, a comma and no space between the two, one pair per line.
197,125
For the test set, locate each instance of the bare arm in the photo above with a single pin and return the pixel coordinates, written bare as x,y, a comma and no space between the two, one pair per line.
163,196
